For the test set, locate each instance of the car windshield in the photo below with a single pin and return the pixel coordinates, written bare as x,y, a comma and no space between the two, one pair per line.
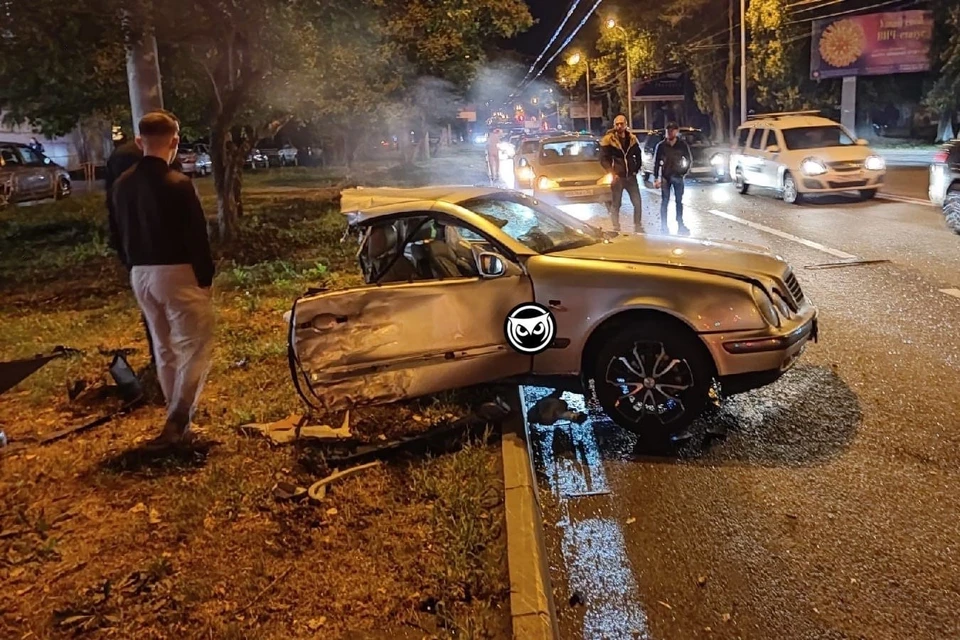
535,224
816,137
560,151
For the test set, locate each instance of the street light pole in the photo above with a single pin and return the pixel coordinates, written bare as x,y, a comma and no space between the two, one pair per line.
612,24
589,129
743,61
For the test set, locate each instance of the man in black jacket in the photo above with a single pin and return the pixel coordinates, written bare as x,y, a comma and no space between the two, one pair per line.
620,155
670,164
162,238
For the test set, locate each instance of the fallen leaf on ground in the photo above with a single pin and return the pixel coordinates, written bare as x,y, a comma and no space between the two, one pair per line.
332,511
726,617
154,516
139,508
665,604
316,623
631,520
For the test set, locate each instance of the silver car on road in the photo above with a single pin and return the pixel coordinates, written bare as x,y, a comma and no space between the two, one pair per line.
27,174
644,324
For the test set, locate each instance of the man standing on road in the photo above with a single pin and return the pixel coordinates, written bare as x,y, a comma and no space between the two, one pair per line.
620,156
493,154
163,240
670,164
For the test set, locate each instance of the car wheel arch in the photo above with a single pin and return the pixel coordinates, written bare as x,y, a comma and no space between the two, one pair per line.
624,316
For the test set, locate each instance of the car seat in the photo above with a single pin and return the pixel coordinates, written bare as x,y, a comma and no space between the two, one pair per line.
381,247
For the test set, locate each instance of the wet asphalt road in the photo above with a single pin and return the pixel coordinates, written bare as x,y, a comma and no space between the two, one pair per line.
832,508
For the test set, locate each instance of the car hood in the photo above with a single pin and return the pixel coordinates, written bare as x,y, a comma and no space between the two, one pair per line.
837,154
734,259
572,170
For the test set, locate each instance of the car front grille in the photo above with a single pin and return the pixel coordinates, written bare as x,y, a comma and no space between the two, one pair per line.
577,183
847,185
846,166
793,288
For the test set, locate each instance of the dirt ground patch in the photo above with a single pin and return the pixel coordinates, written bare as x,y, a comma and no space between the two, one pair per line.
99,539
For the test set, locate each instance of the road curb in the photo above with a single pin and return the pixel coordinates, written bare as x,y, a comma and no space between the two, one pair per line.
531,593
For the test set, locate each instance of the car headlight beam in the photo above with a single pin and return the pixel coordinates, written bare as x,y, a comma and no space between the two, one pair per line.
546,183
607,179
813,167
874,163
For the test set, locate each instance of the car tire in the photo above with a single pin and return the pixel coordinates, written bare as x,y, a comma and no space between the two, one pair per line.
638,350
790,192
63,189
868,194
951,210
741,181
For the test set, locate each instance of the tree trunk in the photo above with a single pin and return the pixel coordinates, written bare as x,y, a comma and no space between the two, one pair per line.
143,70
717,116
945,131
425,132
225,156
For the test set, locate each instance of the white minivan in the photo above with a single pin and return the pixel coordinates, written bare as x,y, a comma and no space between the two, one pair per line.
801,153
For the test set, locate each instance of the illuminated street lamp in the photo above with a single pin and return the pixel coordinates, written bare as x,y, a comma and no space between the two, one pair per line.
612,24
573,61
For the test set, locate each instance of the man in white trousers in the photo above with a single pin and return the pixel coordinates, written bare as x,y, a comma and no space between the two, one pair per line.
163,235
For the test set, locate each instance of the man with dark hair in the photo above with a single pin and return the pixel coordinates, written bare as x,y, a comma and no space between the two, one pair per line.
162,238
620,155
670,164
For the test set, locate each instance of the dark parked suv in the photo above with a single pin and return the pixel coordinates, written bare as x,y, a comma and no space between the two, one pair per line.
945,183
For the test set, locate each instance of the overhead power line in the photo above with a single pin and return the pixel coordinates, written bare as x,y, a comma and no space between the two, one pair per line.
567,41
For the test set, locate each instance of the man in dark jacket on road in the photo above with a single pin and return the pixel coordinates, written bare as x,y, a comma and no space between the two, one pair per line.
162,234
670,164
620,155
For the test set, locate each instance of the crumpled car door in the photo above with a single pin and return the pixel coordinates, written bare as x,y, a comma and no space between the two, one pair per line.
380,344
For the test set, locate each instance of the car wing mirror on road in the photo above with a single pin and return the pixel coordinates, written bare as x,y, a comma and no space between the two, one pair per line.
491,265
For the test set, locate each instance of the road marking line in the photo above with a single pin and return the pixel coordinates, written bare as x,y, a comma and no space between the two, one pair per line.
951,292
906,199
843,255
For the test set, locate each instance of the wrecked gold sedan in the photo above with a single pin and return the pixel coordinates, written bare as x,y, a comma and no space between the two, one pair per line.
646,324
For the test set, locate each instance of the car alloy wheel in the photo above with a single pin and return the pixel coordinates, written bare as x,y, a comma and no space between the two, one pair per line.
790,193
741,182
652,377
951,210
63,188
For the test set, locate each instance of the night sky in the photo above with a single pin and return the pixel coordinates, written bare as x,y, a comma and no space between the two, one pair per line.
549,14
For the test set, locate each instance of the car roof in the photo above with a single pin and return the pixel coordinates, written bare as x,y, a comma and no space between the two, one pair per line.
792,122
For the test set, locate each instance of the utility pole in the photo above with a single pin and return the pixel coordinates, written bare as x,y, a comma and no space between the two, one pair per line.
743,61
589,128
731,61
143,70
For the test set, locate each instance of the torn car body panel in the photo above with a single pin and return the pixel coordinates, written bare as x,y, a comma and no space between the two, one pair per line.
381,344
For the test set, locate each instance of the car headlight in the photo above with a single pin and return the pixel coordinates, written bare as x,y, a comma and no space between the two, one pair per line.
874,163
781,305
717,160
765,306
607,179
525,174
546,183
813,167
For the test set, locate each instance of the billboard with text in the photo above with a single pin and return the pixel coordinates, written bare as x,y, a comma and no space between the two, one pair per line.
871,44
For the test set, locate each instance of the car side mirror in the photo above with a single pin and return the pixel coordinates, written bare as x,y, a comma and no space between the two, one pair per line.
861,142
491,265
773,149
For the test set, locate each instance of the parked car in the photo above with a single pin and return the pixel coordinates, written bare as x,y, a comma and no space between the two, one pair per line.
528,148
801,153
568,169
645,324
26,175
195,159
256,159
945,183
709,160
289,155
